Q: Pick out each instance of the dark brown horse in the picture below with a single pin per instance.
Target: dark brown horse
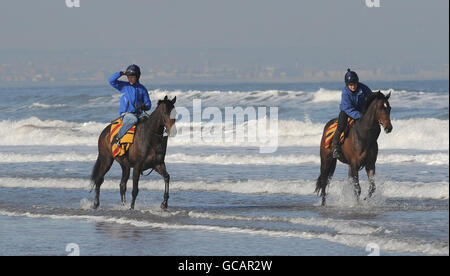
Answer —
(147, 151)
(360, 147)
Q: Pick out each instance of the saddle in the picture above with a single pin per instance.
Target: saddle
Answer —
(125, 142)
(329, 133)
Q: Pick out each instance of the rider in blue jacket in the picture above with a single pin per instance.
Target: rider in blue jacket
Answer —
(353, 98)
(134, 99)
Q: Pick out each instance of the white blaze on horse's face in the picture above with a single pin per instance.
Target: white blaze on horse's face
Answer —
(385, 118)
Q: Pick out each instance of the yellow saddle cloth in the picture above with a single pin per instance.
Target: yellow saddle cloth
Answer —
(125, 142)
(332, 129)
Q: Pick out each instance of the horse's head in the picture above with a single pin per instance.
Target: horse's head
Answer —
(166, 108)
(383, 110)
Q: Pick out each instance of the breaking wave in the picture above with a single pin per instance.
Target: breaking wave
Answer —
(421, 133)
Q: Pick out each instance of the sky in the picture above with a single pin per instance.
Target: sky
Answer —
(321, 33)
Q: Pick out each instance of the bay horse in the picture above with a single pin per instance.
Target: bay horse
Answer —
(360, 147)
(147, 151)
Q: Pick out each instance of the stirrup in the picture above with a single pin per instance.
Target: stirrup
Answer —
(115, 140)
(337, 153)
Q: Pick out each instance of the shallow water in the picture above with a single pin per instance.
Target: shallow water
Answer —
(225, 198)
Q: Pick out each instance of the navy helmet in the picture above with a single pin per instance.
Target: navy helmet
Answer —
(133, 70)
(351, 77)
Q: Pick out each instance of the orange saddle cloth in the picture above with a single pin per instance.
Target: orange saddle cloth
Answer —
(329, 133)
(125, 142)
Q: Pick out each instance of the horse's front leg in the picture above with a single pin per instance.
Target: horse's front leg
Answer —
(161, 169)
(371, 176)
(136, 175)
(370, 169)
(354, 180)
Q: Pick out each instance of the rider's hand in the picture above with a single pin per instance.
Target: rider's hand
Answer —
(122, 73)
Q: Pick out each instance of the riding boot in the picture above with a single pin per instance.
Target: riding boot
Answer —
(336, 145)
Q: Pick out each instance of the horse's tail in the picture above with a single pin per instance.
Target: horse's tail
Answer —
(326, 172)
(95, 172)
(104, 160)
(321, 185)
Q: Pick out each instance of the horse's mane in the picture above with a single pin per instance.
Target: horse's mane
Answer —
(370, 99)
(163, 101)
(152, 114)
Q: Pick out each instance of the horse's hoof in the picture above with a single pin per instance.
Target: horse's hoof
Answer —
(164, 206)
(368, 197)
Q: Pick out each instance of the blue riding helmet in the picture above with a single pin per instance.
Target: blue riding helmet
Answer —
(133, 70)
(351, 77)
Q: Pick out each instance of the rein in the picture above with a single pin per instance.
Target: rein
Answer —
(161, 136)
(142, 173)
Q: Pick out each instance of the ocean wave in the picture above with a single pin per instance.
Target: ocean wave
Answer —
(353, 240)
(286, 97)
(433, 159)
(387, 189)
(340, 226)
(231, 98)
(420, 133)
(40, 105)
(33, 131)
(324, 95)
(411, 99)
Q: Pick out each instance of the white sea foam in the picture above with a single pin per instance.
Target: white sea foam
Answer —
(433, 159)
(40, 105)
(323, 95)
(399, 98)
(33, 131)
(353, 240)
(52, 157)
(341, 226)
(410, 99)
(386, 189)
(231, 98)
(420, 133)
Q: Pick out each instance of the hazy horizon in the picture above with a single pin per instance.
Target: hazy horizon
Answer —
(199, 40)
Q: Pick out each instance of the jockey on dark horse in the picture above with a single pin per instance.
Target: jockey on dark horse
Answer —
(354, 95)
(134, 99)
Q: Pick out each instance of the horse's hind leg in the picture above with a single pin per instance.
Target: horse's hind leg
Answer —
(123, 183)
(101, 167)
(327, 167)
(161, 169)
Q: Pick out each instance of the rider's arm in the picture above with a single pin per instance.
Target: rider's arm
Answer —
(114, 81)
(147, 102)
